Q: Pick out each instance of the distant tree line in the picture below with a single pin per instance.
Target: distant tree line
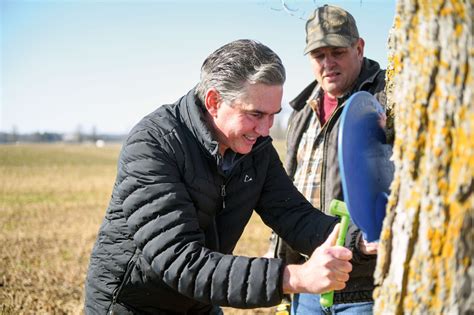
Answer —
(277, 132)
(51, 137)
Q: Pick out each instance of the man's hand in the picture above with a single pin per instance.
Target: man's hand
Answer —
(368, 248)
(327, 269)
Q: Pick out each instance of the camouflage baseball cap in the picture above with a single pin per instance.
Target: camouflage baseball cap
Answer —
(330, 26)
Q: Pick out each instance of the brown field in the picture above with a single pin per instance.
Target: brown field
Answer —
(52, 200)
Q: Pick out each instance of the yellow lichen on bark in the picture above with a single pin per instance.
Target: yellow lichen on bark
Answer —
(426, 249)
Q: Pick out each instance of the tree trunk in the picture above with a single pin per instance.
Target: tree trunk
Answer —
(427, 243)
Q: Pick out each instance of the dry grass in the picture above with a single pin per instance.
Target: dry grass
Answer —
(52, 200)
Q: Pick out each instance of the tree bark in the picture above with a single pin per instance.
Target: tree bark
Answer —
(427, 243)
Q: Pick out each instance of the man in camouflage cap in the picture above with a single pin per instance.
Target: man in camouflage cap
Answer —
(336, 53)
(330, 26)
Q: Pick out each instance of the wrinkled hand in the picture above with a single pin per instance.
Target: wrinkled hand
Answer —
(368, 248)
(327, 269)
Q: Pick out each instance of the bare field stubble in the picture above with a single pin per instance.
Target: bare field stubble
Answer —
(52, 201)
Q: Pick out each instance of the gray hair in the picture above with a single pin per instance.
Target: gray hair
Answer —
(230, 68)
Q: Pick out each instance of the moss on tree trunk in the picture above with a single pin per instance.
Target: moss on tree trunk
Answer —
(427, 243)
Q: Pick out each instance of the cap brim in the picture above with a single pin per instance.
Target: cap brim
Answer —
(333, 40)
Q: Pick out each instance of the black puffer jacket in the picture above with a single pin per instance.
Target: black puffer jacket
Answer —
(174, 219)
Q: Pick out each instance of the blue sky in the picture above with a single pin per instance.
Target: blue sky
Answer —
(67, 64)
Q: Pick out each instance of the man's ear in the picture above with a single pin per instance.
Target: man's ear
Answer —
(360, 48)
(212, 101)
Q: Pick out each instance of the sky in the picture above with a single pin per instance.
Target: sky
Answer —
(88, 64)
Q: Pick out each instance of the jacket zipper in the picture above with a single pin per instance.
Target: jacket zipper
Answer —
(128, 272)
(223, 195)
(227, 179)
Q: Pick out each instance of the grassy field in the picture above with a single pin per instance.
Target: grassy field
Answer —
(52, 200)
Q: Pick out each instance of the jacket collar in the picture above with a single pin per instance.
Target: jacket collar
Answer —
(193, 114)
(368, 73)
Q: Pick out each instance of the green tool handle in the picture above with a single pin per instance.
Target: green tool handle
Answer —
(327, 298)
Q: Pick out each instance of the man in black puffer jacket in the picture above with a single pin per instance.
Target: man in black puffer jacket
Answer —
(189, 177)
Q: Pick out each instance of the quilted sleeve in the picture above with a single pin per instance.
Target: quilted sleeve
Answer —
(162, 219)
(289, 214)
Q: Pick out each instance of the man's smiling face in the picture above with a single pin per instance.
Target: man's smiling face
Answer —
(240, 123)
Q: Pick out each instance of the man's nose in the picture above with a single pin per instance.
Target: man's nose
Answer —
(329, 61)
(264, 125)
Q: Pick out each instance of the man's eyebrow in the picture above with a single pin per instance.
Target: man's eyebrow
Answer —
(256, 111)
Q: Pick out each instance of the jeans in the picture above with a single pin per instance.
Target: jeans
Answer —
(308, 304)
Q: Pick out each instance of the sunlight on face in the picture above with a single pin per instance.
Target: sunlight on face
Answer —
(337, 68)
(249, 117)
